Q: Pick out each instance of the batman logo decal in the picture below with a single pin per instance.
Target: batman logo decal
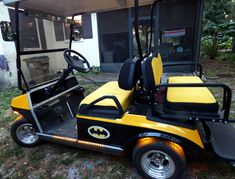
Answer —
(98, 132)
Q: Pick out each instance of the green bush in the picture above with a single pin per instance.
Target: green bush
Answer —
(209, 47)
(227, 56)
(225, 43)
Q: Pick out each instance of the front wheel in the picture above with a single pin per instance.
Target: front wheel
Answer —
(24, 133)
(159, 159)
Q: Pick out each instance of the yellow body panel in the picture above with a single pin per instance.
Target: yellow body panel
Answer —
(19, 118)
(143, 122)
(110, 88)
(157, 69)
(200, 95)
(20, 102)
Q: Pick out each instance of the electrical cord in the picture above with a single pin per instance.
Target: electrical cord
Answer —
(205, 77)
(209, 77)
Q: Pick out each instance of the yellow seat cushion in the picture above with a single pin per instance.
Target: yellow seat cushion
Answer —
(200, 95)
(112, 89)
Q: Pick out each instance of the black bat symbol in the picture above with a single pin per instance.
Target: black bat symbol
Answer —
(98, 132)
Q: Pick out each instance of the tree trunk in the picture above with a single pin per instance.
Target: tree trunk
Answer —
(233, 45)
(213, 50)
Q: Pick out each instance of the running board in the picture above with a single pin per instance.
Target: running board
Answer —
(222, 140)
(81, 144)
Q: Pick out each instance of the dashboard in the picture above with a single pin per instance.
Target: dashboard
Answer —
(44, 92)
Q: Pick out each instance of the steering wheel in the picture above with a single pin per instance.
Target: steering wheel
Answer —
(76, 61)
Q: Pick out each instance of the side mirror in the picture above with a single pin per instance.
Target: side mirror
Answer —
(7, 31)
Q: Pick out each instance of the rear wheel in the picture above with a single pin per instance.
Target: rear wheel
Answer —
(159, 159)
(24, 133)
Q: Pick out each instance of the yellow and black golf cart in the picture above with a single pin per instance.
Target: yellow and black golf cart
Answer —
(158, 121)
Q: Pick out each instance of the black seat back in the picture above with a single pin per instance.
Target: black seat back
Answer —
(129, 74)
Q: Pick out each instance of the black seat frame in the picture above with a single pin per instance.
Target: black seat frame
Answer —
(221, 115)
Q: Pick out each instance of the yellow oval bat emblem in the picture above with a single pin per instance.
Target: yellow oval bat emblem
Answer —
(98, 132)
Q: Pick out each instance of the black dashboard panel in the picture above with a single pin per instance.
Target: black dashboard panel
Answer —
(45, 93)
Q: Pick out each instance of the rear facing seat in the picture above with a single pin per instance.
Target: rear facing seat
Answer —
(185, 99)
(189, 99)
(179, 78)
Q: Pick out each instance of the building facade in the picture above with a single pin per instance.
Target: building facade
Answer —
(176, 33)
(107, 39)
(38, 34)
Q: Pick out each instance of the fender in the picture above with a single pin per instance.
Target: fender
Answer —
(159, 135)
(18, 118)
(185, 143)
(25, 114)
(20, 102)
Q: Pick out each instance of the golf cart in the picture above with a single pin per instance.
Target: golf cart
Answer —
(158, 121)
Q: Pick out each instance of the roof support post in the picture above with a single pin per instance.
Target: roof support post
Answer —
(136, 27)
(17, 43)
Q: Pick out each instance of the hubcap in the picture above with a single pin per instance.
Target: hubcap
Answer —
(26, 133)
(157, 164)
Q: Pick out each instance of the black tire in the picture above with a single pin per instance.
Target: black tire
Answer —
(172, 152)
(16, 133)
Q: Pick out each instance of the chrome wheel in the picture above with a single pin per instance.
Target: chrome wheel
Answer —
(26, 134)
(157, 164)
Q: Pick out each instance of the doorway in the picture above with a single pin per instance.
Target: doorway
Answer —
(113, 39)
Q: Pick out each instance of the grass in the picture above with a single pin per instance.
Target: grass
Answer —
(227, 57)
(5, 113)
(90, 86)
(58, 161)
(92, 73)
(218, 68)
(68, 159)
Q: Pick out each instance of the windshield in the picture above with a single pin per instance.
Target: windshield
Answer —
(37, 36)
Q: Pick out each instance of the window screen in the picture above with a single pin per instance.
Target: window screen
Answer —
(40, 34)
(177, 25)
(59, 31)
(114, 36)
(67, 31)
(86, 26)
